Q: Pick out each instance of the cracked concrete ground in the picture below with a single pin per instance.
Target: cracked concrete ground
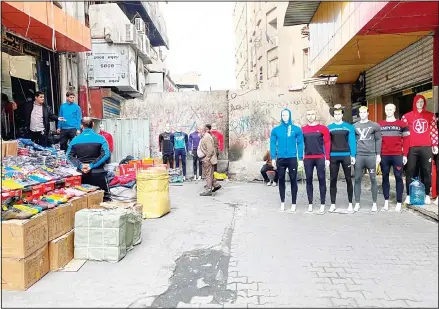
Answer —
(237, 250)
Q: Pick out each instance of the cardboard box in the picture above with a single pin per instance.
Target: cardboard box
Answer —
(137, 207)
(9, 148)
(59, 220)
(21, 238)
(95, 198)
(78, 203)
(22, 273)
(61, 251)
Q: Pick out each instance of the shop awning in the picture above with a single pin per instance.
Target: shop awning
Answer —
(46, 24)
(300, 12)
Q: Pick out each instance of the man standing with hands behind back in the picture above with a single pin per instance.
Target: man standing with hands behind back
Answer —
(70, 126)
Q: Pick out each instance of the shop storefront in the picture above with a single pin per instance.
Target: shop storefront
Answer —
(26, 68)
(399, 78)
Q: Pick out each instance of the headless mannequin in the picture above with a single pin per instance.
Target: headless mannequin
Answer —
(364, 118)
(338, 117)
(312, 122)
(420, 107)
(166, 146)
(390, 117)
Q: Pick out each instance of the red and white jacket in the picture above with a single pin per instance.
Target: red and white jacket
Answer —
(423, 125)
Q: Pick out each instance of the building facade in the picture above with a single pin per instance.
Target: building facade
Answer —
(387, 50)
(267, 54)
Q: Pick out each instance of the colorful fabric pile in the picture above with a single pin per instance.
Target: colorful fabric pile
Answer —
(175, 175)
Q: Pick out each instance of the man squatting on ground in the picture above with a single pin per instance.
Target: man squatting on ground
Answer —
(343, 151)
(368, 135)
(268, 167)
(89, 152)
(286, 145)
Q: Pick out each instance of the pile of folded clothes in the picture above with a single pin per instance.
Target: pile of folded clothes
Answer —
(123, 187)
(23, 208)
(175, 175)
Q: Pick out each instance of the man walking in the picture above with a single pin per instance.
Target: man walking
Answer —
(37, 117)
(70, 127)
(207, 152)
(216, 145)
(89, 152)
(194, 141)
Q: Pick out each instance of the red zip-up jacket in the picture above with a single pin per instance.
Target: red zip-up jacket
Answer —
(423, 126)
(220, 139)
(109, 139)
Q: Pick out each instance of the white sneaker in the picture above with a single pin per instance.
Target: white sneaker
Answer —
(282, 206)
(350, 208)
(374, 208)
(332, 208)
(184, 178)
(199, 177)
(293, 208)
(398, 207)
(268, 183)
(357, 207)
(407, 200)
(310, 208)
(274, 184)
(427, 200)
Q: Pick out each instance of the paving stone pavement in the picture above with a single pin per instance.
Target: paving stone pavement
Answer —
(237, 250)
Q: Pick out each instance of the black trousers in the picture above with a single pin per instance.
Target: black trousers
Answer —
(39, 138)
(282, 165)
(397, 164)
(168, 158)
(197, 163)
(265, 168)
(309, 165)
(65, 136)
(98, 179)
(334, 167)
(423, 155)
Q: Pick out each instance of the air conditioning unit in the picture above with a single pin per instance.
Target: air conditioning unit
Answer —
(130, 34)
(146, 44)
(140, 25)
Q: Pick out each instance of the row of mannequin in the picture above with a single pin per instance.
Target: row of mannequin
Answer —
(392, 143)
(174, 146)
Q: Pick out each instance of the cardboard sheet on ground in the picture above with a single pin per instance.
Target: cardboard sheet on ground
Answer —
(73, 266)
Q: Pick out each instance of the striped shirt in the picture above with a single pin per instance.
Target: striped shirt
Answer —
(395, 138)
(36, 119)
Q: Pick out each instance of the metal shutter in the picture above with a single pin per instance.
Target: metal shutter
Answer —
(410, 67)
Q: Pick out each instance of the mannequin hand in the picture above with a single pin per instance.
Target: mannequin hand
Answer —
(435, 149)
(404, 160)
(327, 163)
(273, 162)
(378, 159)
(352, 160)
(78, 132)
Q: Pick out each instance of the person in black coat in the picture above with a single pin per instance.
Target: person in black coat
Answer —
(37, 117)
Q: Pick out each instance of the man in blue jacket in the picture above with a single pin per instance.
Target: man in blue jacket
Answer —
(71, 124)
(286, 146)
(89, 152)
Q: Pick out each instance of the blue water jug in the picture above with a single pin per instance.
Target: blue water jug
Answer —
(417, 192)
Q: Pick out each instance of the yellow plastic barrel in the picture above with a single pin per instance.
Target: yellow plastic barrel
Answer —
(153, 192)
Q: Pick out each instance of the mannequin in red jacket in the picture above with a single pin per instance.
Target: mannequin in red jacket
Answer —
(423, 143)
(220, 137)
(107, 136)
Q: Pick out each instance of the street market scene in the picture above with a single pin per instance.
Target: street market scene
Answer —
(219, 155)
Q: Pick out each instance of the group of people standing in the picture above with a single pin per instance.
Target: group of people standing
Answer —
(391, 143)
(203, 145)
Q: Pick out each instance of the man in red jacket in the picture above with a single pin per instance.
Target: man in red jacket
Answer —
(423, 143)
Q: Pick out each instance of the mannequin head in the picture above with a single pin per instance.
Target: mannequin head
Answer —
(199, 129)
(364, 113)
(101, 127)
(214, 126)
(390, 110)
(167, 128)
(420, 103)
(338, 115)
(311, 116)
(285, 116)
(178, 128)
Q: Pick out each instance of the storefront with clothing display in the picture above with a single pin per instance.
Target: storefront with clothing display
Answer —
(26, 68)
(399, 78)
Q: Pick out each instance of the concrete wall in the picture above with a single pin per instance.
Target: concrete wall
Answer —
(246, 117)
(253, 114)
(188, 109)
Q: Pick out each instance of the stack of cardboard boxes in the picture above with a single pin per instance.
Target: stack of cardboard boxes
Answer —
(9, 148)
(30, 248)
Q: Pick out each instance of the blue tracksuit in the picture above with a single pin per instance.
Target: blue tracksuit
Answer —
(72, 113)
(286, 140)
(88, 148)
(181, 147)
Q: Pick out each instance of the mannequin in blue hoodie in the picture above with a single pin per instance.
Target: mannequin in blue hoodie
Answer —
(286, 146)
